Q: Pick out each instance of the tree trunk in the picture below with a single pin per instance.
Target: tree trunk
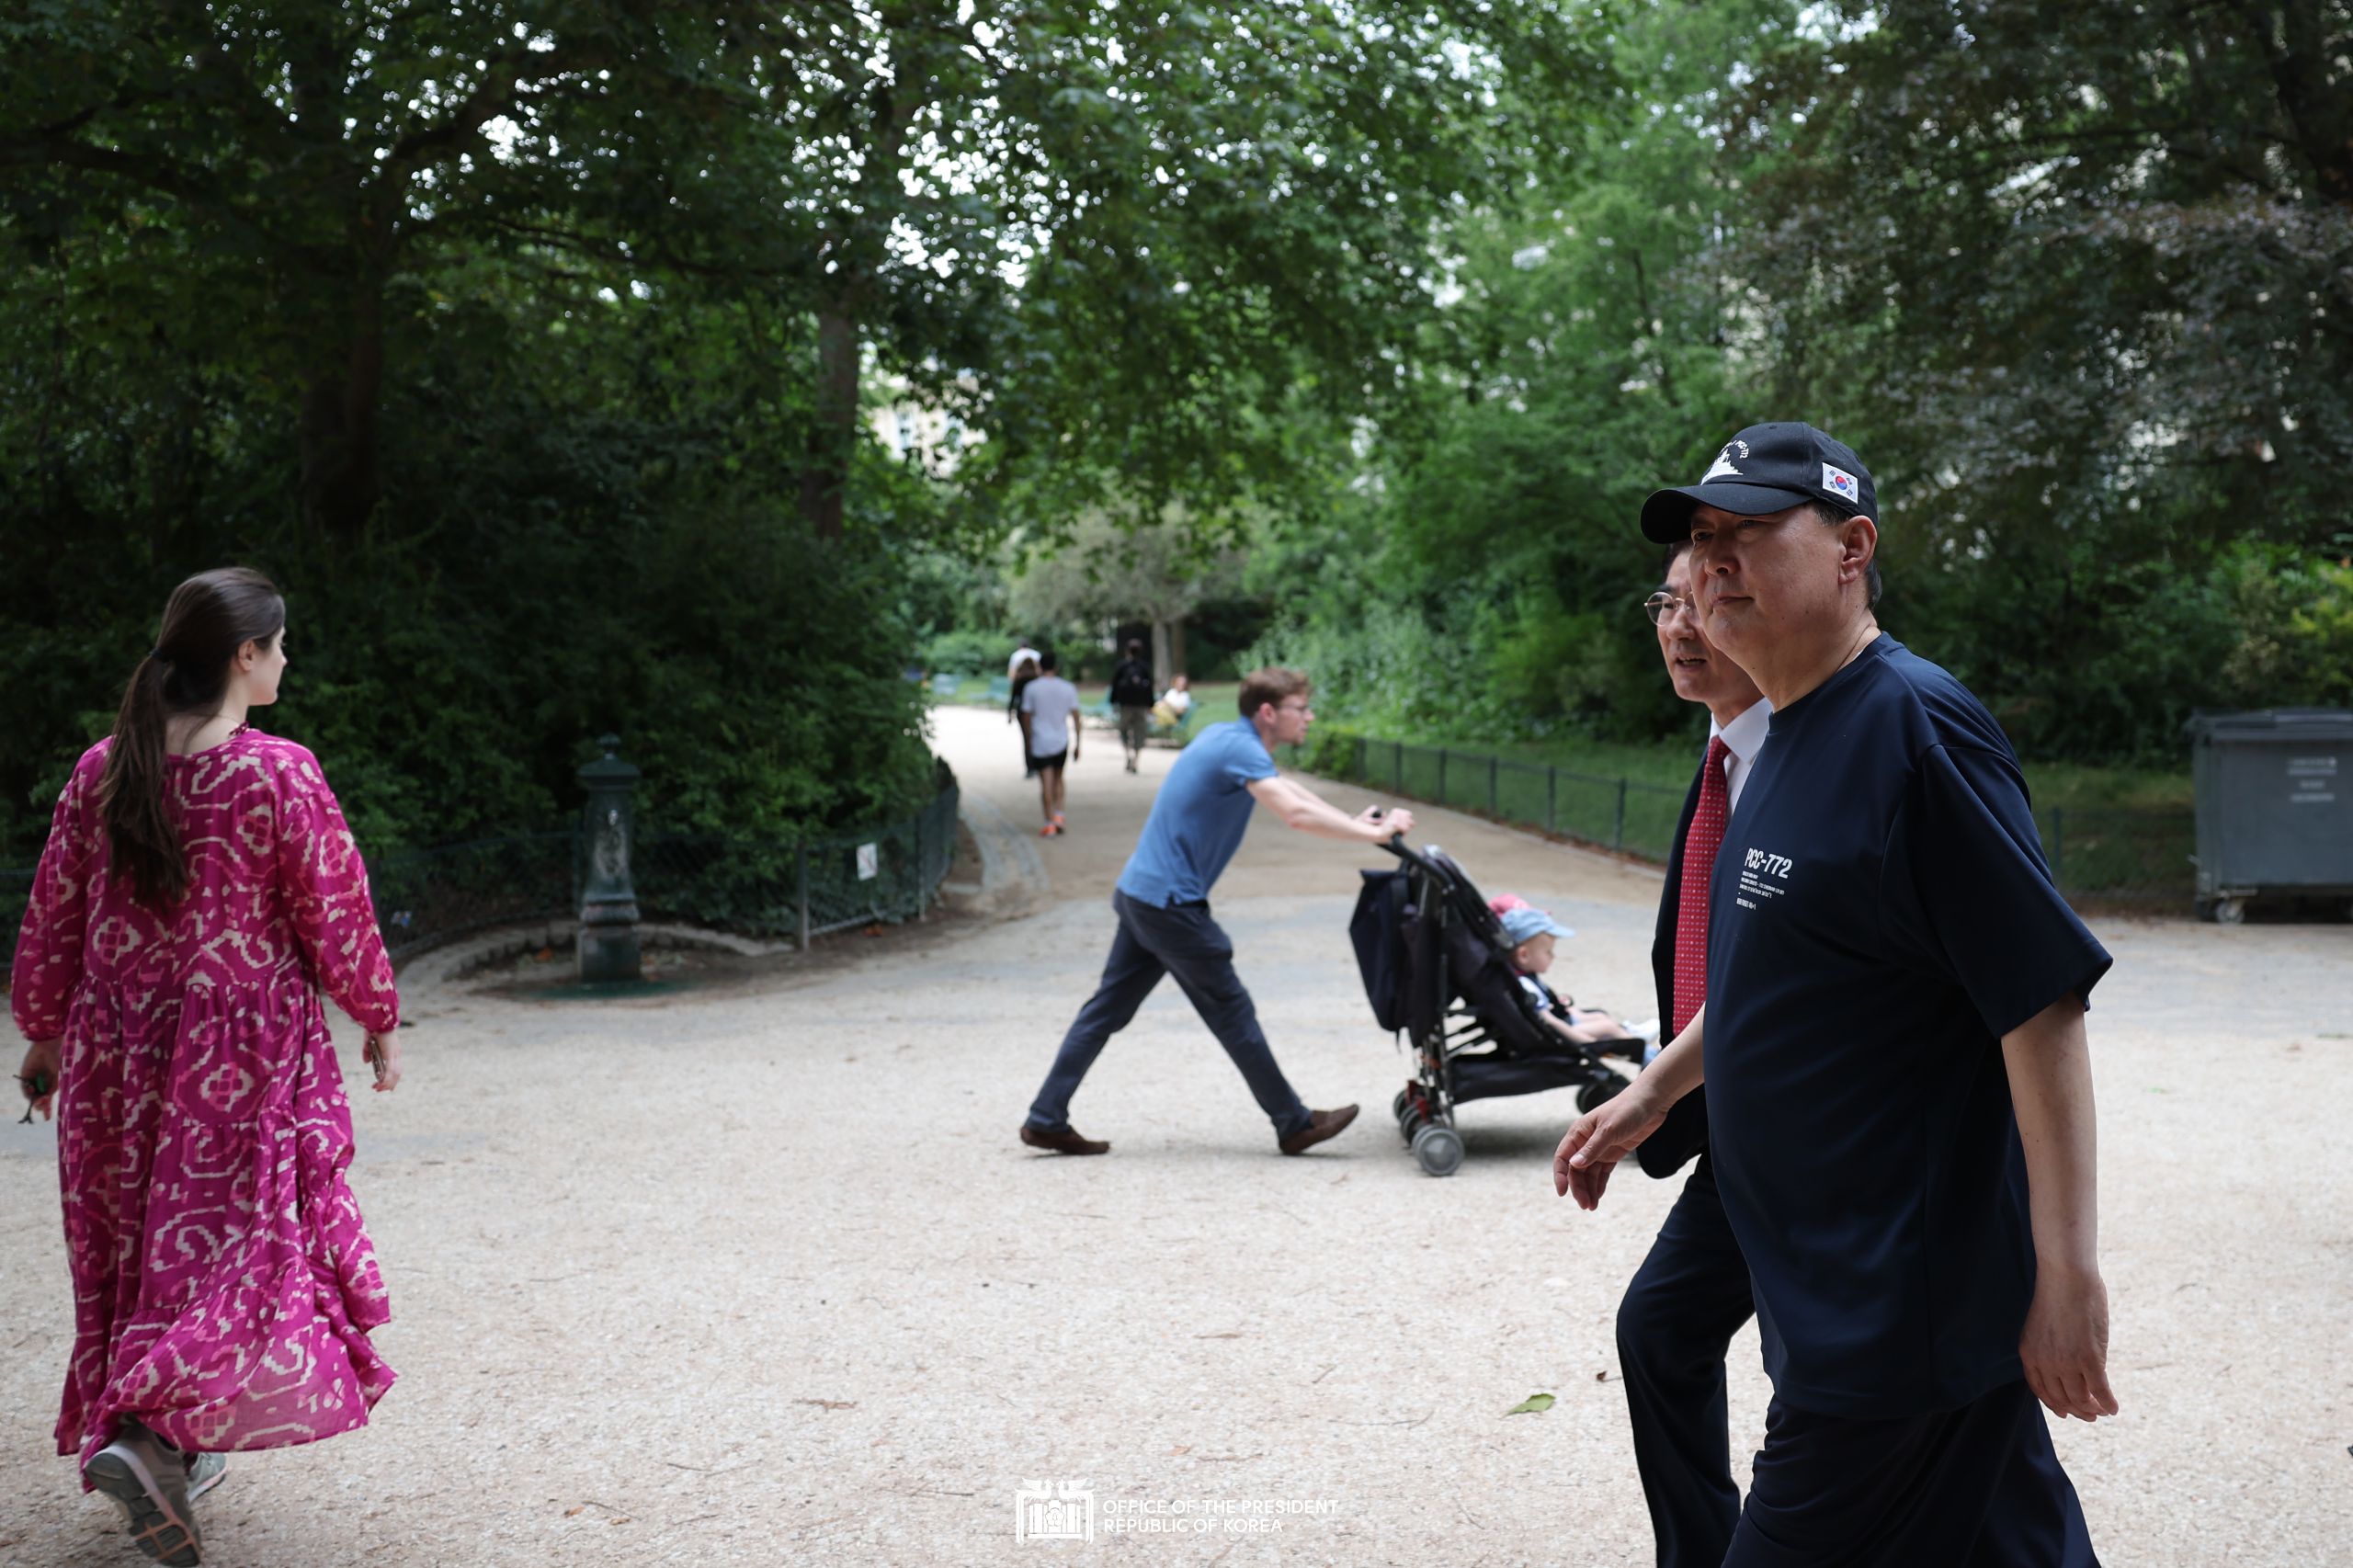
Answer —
(341, 478)
(824, 471)
(1162, 666)
(1177, 645)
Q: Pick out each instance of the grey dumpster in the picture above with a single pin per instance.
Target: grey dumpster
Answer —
(2274, 807)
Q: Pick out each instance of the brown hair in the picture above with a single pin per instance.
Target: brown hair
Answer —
(1272, 685)
(207, 619)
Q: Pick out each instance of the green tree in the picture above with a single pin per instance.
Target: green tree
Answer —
(2075, 280)
(1108, 571)
(278, 172)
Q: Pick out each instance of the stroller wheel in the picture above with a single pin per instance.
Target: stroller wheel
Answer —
(1439, 1150)
(1594, 1094)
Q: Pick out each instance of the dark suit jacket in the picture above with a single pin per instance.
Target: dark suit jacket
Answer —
(1684, 1132)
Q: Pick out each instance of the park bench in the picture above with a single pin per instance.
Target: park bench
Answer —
(1179, 733)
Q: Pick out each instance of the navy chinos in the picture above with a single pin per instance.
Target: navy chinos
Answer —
(1180, 940)
(1675, 1326)
(1975, 1487)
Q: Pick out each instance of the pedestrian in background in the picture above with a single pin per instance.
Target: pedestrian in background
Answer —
(1014, 714)
(1050, 707)
(1132, 695)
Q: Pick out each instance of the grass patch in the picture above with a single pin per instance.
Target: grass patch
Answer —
(2069, 786)
(2111, 833)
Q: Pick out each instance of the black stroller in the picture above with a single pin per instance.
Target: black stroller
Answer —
(1437, 966)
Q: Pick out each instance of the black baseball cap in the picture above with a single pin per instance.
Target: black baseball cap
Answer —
(1767, 468)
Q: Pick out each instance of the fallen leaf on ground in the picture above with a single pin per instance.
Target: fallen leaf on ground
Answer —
(1531, 1405)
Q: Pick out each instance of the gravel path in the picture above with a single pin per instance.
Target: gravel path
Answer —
(755, 1272)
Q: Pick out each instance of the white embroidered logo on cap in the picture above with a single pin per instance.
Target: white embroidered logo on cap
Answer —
(1724, 462)
(1839, 482)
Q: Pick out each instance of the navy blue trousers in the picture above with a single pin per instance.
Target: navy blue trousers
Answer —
(1675, 1325)
(1185, 942)
(1976, 1488)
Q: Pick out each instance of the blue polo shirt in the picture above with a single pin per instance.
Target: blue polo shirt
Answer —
(1881, 914)
(1199, 817)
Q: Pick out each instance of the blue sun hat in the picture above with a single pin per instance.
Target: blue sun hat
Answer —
(1527, 920)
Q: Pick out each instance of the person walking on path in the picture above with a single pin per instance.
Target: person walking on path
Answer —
(1016, 715)
(1050, 709)
(1691, 1295)
(1161, 903)
(1899, 1093)
(198, 893)
(1132, 695)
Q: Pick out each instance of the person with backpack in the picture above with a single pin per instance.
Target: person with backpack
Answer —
(1132, 695)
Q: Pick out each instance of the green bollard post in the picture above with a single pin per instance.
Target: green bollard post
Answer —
(607, 944)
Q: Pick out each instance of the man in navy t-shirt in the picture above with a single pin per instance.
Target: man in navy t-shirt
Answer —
(1898, 1089)
(1162, 901)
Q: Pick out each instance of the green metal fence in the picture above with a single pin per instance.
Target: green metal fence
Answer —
(801, 891)
(796, 889)
(2125, 857)
(426, 897)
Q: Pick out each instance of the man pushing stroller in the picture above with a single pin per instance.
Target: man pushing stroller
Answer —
(1161, 903)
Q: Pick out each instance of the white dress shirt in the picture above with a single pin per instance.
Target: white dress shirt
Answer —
(1744, 738)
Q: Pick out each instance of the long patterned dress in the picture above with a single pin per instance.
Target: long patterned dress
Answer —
(222, 1286)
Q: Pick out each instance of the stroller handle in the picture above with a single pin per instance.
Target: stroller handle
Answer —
(1395, 845)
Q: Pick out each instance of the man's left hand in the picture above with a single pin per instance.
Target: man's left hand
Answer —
(1596, 1140)
(2064, 1344)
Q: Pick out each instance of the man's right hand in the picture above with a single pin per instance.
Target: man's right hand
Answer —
(1596, 1140)
(1386, 824)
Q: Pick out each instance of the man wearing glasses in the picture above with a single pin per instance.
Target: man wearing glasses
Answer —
(1162, 905)
(1899, 1093)
(1692, 1294)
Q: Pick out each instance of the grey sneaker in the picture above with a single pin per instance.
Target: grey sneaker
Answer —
(151, 1482)
(205, 1471)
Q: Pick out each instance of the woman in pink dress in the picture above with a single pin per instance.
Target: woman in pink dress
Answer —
(200, 890)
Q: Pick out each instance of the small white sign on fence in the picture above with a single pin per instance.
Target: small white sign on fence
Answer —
(869, 862)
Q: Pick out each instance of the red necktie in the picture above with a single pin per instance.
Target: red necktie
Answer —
(1699, 847)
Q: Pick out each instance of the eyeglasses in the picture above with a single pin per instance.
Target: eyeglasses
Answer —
(1661, 605)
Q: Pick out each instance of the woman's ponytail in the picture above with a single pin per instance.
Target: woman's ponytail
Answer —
(146, 845)
(208, 618)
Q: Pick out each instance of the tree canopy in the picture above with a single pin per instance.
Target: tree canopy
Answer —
(2078, 285)
(434, 310)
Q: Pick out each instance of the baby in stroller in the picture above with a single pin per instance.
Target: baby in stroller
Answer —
(1532, 934)
(1466, 992)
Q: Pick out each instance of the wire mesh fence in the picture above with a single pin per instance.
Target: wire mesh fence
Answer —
(800, 891)
(750, 887)
(2113, 856)
(424, 897)
(1616, 814)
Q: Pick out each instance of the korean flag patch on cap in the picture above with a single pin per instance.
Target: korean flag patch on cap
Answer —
(1841, 483)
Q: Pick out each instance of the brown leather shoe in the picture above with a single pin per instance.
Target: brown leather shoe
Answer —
(1065, 1142)
(1322, 1124)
